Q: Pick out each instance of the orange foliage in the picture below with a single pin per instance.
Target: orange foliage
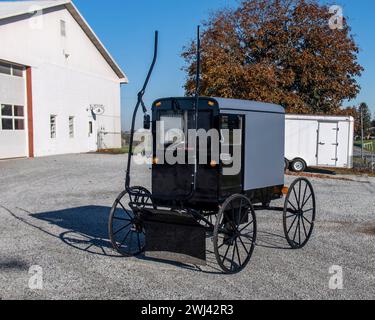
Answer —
(279, 51)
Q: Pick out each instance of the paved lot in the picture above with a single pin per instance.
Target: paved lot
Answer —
(53, 213)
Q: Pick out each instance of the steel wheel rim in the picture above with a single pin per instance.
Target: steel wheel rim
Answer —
(299, 213)
(126, 230)
(234, 241)
(298, 166)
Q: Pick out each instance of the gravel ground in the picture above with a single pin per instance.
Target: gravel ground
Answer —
(54, 211)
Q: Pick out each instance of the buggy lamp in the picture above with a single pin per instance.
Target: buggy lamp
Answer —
(213, 163)
(155, 160)
(285, 190)
(158, 104)
(211, 103)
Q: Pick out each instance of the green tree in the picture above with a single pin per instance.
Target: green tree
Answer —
(279, 51)
(366, 116)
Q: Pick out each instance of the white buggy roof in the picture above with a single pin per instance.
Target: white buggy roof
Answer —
(247, 105)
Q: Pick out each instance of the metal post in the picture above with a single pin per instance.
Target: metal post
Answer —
(362, 132)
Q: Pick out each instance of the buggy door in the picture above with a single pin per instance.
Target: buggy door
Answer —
(231, 154)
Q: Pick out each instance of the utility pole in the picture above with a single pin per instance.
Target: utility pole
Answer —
(362, 132)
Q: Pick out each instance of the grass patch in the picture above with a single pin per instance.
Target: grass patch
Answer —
(369, 145)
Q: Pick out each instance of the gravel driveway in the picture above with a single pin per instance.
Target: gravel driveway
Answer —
(53, 214)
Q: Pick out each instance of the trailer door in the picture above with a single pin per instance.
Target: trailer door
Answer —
(327, 144)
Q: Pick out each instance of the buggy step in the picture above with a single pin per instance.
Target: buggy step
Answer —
(174, 236)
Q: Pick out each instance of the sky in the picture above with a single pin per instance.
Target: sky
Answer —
(126, 27)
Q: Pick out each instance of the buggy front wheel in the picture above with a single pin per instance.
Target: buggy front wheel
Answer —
(235, 234)
(125, 227)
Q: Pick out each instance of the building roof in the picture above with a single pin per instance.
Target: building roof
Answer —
(10, 9)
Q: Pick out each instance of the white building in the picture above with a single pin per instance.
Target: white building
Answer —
(54, 72)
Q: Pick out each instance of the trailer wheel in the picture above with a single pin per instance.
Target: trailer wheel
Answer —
(125, 227)
(286, 164)
(235, 234)
(298, 165)
(299, 213)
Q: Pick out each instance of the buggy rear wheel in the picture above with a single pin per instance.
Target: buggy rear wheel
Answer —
(235, 234)
(126, 230)
(299, 213)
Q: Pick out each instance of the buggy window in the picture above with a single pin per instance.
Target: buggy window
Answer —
(172, 127)
(229, 123)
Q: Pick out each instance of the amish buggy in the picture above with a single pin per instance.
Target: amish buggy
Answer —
(216, 199)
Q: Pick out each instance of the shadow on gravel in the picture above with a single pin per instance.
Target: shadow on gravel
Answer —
(12, 264)
(320, 171)
(86, 230)
(271, 240)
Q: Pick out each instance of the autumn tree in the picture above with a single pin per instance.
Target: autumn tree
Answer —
(279, 51)
(352, 112)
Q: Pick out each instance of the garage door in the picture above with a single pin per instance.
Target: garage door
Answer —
(13, 135)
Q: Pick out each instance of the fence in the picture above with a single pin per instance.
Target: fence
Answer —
(366, 161)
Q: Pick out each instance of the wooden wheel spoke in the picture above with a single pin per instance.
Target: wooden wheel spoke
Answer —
(243, 245)
(238, 253)
(121, 219)
(295, 196)
(307, 200)
(307, 220)
(304, 194)
(126, 211)
(295, 231)
(249, 224)
(295, 209)
(308, 210)
(290, 228)
(123, 241)
(304, 228)
(226, 253)
(121, 229)
(232, 261)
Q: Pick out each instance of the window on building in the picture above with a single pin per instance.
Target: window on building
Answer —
(12, 70)
(5, 68)
(6, 117)
(12, 117)
(17, 71)
(71, 127)
(63, 28)
(19, 124)
(6, 110)
(6, 124)
(90, 128)
(53, 126)
(18, 111)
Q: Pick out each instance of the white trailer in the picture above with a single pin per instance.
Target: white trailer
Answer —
(318, 141)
